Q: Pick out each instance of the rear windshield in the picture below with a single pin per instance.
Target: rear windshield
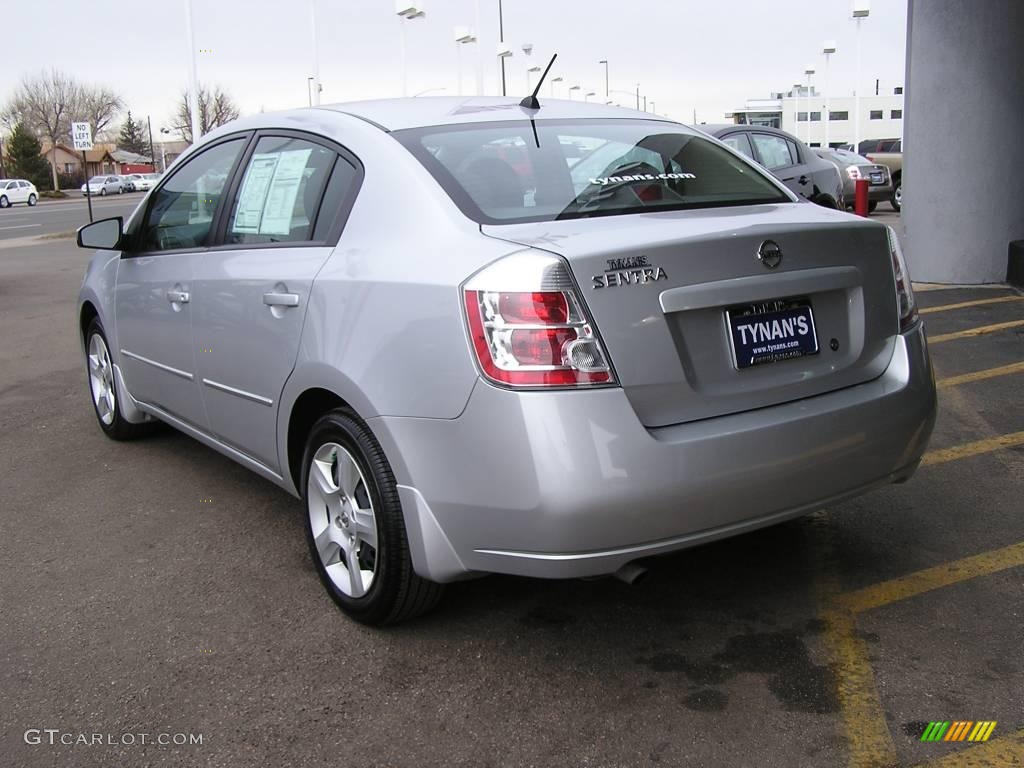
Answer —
(502, 173)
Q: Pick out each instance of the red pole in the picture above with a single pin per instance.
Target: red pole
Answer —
(860, 199)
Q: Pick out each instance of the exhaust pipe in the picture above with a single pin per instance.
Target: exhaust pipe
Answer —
(631, 573)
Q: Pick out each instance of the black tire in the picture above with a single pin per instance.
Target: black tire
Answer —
(118, 428)
(896, 199)
(397, 593)
(31, 200)
(872, 205)
(826, 201)
(4, 202)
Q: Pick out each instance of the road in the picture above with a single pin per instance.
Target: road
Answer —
(156, 587)
(50, 217)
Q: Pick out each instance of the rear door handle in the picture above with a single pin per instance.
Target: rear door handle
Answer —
(273, 299)
(177, 297)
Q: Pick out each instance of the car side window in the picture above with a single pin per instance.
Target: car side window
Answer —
(774, 150)
(794, 150)
(280, 193)
(181, 212)
(740, 143)
(343, 180)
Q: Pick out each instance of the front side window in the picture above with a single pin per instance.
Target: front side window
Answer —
(280, 193)
(774, 150)
(181, 212)
(740, 143)
(505, 172)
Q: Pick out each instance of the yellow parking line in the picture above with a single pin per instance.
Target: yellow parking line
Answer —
(973, 449)
(1003, 751)
(988, 373)
(945, 575)
(975, 303)
(975, 331)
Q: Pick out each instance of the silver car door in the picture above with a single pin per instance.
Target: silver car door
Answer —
(252, 291)
(154, 298)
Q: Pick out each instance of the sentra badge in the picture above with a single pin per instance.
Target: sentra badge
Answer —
(629, 270)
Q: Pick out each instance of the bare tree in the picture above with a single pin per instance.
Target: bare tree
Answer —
(46, 102)
(216, 107)
(50, 101)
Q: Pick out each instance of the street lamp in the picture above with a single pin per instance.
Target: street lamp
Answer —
(407, 12)
(463, 35)
(503, 50)
(571, 89)
(653, 110)
(828, 49)
(529, 72)
(809, 72)
(588, 95)
(553, 81)
(309, 89)
(606, 91)
(796, 108)
(861, 10)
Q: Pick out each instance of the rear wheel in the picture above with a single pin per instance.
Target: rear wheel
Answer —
(872, 205)
(31, 200)
(355, 529)
(896, 200)
(103, 389)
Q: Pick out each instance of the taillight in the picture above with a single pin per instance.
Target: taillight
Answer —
(853, 172)
(904, 290)
(529, 327)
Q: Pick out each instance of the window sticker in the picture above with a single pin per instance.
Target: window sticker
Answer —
(284, 188)
(253, 196)
(603, 180)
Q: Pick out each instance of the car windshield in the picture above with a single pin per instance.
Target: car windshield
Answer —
(506, 172)
(98, 180)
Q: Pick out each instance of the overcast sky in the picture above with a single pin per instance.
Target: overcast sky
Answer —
(686, 54)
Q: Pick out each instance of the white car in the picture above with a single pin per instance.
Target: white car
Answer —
(17, 191)
(146, 181)
(103, 185)
(130, 182)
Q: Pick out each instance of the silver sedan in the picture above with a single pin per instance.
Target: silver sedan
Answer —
(476, 336)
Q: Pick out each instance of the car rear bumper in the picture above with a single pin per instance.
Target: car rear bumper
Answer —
(569, 484)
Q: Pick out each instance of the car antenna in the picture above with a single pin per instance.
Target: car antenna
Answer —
(530, 102)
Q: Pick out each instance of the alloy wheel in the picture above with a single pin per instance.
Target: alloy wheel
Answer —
(101, 379)
(342, 520)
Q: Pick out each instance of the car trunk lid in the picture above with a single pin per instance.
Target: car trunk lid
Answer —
(659, 286)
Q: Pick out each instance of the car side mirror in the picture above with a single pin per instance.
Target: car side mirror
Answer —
(104, 234)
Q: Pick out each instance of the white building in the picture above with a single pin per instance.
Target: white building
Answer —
(881, 116)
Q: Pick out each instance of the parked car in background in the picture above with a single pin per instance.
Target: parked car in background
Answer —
(877, 145)
(17, 191)
(103, 185)
(654, 346)
(787, 158)
(892, 159)
(147, 181)
(853, 167)
(130, 182)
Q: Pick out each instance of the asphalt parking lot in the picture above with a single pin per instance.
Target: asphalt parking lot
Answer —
(156, 587)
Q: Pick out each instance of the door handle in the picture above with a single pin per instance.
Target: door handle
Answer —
(273, 299)
(802, 180)
(177, 297)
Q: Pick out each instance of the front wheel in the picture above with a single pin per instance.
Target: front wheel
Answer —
(355, 529)
(103, 389)
(103, 191)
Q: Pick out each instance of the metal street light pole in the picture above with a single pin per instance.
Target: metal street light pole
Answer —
(796, 108)
(407, 11)
(652, 107)
(479, 53)
(828, 49)
(810, 94)
(861, 9)
(316, 53)
(607, 92)
(501, 40)
(193, 78)
(571, 89)
(309, 89)
(638, 96)
(553, 81)
(588, 95)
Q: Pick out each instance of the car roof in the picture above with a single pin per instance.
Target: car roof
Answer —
(420, 112)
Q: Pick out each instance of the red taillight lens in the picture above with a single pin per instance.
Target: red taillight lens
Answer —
(905, 302)
(543, 307)
(533, 338)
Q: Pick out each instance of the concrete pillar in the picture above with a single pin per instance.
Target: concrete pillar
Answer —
(963, 198)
